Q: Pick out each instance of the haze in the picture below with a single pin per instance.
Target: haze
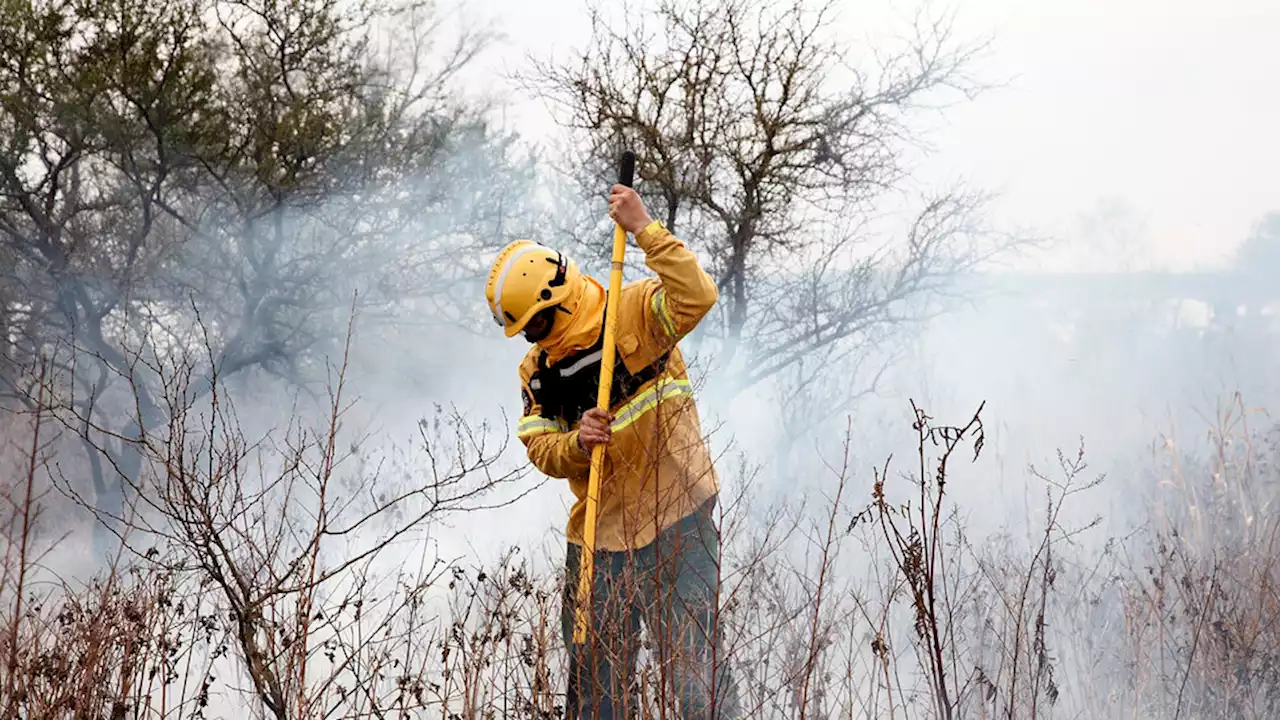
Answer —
(1117, 297)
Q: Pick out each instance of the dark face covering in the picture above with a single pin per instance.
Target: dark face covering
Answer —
(572, 325)
(539, 326)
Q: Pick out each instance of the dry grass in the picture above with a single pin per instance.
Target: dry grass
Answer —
(268, 576)
(1200, 611)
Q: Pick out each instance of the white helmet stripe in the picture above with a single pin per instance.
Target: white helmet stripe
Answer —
(497, 290)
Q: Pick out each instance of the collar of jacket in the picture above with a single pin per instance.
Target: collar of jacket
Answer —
(580, 327)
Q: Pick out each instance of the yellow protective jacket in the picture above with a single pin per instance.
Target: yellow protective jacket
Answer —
(657, 468)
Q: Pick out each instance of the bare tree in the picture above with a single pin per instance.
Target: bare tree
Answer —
(243, 167)
(767, 146)
(96, 101)
(287, 536)
(341, 168)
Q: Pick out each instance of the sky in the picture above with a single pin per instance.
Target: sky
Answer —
(1162, 112)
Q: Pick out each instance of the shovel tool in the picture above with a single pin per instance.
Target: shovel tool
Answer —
(582, 614)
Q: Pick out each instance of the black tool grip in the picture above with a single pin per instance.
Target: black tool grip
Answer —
(627, 168)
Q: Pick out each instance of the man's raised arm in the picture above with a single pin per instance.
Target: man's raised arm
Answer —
(685, 292)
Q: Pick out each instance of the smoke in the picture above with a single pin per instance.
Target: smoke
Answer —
(1125, 365)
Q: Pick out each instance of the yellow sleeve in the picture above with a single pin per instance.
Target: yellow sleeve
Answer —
(687, 292)
(552, 447)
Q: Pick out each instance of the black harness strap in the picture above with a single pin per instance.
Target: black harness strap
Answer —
(568, 388)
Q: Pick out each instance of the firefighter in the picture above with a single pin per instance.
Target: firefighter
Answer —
(657, 544)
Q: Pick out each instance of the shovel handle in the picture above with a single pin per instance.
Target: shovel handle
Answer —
(586, 569)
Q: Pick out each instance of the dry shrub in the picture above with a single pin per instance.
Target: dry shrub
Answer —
(268, 576)
(96, 650)
(1201, 606)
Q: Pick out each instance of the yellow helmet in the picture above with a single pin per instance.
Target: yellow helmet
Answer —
(526, 278)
